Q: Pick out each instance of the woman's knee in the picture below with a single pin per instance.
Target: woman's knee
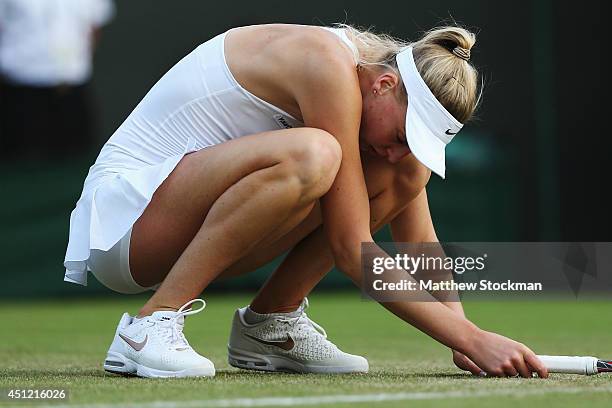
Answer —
(315, 157)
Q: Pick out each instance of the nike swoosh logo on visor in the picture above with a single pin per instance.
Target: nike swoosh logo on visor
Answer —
(448, 132)
(286, 345)
(133, 344)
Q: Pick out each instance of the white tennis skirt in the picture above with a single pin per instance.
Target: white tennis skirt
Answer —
(196, 104)
(104, 215)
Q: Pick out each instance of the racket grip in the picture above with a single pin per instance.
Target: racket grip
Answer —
(570, 364)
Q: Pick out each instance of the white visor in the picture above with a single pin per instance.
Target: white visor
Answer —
(429, 126)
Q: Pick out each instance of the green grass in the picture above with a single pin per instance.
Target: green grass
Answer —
(63, 343)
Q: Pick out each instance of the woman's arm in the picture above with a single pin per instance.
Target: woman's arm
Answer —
(328, 94)
(326, 88)
(414, 224)
(330, 99)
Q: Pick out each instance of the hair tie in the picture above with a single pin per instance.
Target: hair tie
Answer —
(462, 53)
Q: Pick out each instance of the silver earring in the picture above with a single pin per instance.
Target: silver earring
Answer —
(374, 91)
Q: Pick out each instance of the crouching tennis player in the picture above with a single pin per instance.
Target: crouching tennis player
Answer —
(266, 139)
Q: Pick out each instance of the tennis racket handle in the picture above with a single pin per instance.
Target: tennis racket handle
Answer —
(570, 364)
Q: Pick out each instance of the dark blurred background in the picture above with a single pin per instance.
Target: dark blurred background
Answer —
(531, 167)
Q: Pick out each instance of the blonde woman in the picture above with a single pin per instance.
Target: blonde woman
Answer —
(265, 139)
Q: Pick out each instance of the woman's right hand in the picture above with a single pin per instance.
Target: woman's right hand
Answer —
(500, 356)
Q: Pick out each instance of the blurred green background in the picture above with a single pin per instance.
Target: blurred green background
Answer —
(529, 168)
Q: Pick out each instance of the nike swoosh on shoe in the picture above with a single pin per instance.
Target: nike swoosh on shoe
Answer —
(286, 345)
(133, 344)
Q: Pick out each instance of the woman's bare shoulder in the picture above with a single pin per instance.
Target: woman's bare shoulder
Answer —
(274, 60)
(285, 42)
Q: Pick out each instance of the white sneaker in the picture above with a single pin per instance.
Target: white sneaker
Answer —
(288, 342)
(155, 346)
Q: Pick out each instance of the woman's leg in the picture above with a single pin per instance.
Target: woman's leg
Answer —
(308, 261)
(310, 257)
(220, 203)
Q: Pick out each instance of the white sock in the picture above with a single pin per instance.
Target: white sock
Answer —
(252, 317)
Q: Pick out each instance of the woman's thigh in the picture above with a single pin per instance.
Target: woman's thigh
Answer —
(181, 203)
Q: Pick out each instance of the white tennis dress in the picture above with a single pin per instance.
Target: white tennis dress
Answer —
(196, 104)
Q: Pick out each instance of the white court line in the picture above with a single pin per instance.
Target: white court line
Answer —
(335, 399)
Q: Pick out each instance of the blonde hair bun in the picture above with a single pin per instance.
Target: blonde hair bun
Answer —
(442, 58)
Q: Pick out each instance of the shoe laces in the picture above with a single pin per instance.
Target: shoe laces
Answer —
(302, 322)
(174, 325)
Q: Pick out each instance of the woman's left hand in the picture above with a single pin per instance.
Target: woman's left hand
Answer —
(464, 363)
